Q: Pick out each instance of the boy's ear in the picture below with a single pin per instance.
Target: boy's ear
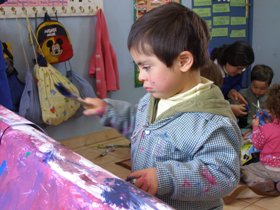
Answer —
(185, 60)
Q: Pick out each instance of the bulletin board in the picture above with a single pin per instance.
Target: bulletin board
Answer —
(140, 8)
(225, 18)
(19, 8)
(229, 21)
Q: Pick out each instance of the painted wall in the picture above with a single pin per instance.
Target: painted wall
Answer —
(119, 18)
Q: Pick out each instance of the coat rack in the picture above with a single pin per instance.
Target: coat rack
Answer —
(19, 8)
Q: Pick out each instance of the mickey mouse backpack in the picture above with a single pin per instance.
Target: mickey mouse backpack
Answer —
(54, 40)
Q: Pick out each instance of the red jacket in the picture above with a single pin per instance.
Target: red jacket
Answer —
(103, 64)
(266, 138)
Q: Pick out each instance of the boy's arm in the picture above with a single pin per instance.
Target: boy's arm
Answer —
(113, 113)
(237, 96)
(235, 85)
(240, 109)
(119, 115)
(213, 172)
(258, 137)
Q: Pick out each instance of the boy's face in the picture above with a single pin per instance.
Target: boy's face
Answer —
(259, 88)
(158, 79)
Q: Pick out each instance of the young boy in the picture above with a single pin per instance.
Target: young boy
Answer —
(185, 143)
(256, 94)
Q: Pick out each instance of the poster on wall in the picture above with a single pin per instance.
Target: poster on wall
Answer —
(226, 19)
(140, 8)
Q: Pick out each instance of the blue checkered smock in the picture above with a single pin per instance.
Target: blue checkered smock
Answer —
(196, 154)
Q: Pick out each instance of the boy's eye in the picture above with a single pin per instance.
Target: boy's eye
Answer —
(143, 67)
(146, 68)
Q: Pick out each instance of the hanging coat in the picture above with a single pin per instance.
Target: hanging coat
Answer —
(15, 85)
(103, 64)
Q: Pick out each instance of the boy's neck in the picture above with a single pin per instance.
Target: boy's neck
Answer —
(193, 79)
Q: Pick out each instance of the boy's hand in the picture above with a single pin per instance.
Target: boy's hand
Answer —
(236, 96)
(239, 109)
(255, 121)
(146, 180)
(96, 106)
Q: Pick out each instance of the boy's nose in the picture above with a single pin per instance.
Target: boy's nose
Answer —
(258, 93)
(141, 76)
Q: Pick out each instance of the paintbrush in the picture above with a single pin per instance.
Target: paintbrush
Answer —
(131, 179)
(68, 94)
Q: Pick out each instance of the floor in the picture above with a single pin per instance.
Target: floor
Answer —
(115, 159)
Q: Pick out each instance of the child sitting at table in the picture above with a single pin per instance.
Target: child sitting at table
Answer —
(256, 94)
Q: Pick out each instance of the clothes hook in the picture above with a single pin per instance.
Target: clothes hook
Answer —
(73, 9)
(82, 9)
(14, 10)
(2, 10)
(34, 9)
(90, 9)
(24, 10)
(64, 10)
(54, 9)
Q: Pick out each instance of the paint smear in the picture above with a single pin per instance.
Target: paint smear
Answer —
(3, 167)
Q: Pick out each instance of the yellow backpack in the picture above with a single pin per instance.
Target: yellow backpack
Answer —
(55, 107)
(54, 40)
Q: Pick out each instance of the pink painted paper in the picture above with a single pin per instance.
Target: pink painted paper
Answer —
(37, 172)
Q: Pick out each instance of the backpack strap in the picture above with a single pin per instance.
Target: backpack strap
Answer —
(32, 38)
(68, 69)
(47, 17)
(7, 52)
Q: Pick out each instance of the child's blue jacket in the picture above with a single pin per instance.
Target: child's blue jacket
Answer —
(195, 147)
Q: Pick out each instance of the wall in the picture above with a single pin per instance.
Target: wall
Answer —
(266, 33)
(119, 18)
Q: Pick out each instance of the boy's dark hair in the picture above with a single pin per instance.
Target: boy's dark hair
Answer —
(238, 53)
(262, 73)
(168, 30)
(273, 100)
